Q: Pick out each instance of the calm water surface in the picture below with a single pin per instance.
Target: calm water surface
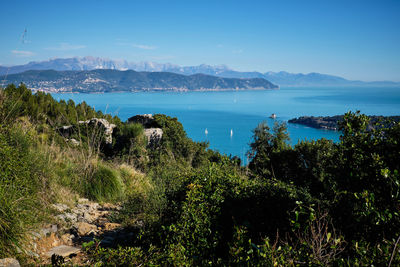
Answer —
(242, 111)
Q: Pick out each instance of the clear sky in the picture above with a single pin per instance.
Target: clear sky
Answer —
(353, 39)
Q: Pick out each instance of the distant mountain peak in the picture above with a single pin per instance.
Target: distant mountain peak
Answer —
(281, 78)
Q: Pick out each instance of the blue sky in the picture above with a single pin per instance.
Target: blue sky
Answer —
(352, 39)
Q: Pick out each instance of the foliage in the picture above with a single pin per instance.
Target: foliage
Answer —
(265, 146)
(22, 179)
(130, 145)
(104, 184)
(317, 203)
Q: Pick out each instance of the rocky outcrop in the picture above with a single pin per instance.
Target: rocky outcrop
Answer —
(96, 123)
(9, 262)
(153, 135)
(147, 120)
(67, 130)
(331, 122)
(104, 125)
(152, 130)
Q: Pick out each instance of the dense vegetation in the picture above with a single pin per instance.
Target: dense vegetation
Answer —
(317, 203)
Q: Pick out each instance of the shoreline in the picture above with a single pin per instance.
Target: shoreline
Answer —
(153, 91)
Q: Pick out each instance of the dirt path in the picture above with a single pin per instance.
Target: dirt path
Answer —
(75, 226)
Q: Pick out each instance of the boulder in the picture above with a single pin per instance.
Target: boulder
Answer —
(111, 226)
(146, 120)
(109, 206)
(67, 239)
(84, 228)
(67, 130)
(83, 200)
(68, 217)
(63, 251)
(73, 142)
(104, 125)
(9, 262)
(59, 207)
(153, 135)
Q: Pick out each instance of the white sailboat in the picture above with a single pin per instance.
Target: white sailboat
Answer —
(206, 131)
(231, 132)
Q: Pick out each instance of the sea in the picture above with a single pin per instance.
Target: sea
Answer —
(226, 119)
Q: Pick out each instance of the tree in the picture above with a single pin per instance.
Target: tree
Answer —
(265, 145)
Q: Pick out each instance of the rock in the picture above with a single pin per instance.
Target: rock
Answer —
(153, 135)
(67, 217)
(67, 239)
(83, 200)
(104, 125)
(44, 232)
(32, 254)
(54, 228)
(151, 131)
(63, 251)
(35, 235)
(89, 217)
(9, 262)
(66, 131)
(84, 228)
(60, 207)
(109, 206)
(146, 120)
(48, 230)
(73, 142)
(111, 226)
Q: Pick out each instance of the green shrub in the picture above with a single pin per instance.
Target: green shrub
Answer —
(22, 178)
(104, 184)
(130, 144)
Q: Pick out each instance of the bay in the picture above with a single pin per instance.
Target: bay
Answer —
(239, 112)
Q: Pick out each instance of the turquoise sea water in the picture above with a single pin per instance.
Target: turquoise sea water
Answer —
(241, 111)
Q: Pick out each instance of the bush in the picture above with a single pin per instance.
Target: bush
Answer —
(22, 178)
(130, 144)
(144, 202)
(104, 184)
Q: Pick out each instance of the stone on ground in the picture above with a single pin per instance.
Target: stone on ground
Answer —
(111, 226)
(85, 228)
(63, 251)
(9, 262)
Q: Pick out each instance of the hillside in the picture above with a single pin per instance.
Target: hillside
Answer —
(281, 78)
(332, 122)
(130, 81)
(82, 188)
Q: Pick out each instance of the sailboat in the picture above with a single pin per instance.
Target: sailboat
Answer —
(206, 131)
(231, 132)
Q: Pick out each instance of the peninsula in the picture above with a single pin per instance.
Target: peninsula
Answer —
(107, 80)
(331, 122)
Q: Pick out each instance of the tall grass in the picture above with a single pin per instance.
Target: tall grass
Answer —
(22, 180)
(104, 184)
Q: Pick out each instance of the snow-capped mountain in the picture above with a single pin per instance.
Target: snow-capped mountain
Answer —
(281, 78)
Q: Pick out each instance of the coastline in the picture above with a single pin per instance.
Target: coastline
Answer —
(155, 90)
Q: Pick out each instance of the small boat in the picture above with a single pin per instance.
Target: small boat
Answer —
(273, 116)
(206, 131)
(231, 132)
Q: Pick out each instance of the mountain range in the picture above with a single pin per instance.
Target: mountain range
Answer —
(281, 78)
(109, 80)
